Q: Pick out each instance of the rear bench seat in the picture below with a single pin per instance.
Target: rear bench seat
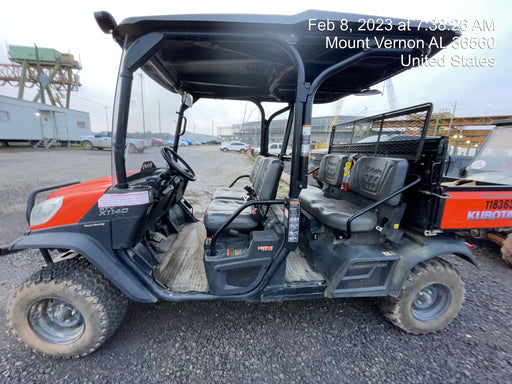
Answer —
(371, 179)
(265, 185)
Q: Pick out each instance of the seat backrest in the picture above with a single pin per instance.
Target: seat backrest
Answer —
(267, 181)
(378, 177)
(331, 169)
(256, 169)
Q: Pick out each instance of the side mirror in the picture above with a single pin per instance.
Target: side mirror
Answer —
(106, 21)
(187, 99)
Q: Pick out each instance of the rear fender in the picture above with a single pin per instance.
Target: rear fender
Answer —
(106, 262)
(414, 252)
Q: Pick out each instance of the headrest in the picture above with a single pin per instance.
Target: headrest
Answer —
(331, 169)
(378, 177)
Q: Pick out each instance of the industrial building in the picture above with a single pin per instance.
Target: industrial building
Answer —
(41, 124)
(249, 132)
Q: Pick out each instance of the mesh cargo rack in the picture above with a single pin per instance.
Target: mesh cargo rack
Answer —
(399, 133)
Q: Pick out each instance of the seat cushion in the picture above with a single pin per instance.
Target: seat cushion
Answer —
(230, 193)
(219, 211)
(335, 213)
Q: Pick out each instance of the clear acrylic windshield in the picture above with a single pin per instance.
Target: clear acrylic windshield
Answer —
(151, 114)
(494, 161)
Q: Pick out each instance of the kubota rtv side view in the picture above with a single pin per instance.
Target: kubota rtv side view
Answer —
(134, 236)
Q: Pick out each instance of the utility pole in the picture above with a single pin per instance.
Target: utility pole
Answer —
(212, 129)
(436, 128)
(451, 118)
(106, 115)
(457, 135)
(159, 120)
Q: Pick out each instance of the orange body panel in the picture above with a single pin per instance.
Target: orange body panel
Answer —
(477, 209)
(78, 200)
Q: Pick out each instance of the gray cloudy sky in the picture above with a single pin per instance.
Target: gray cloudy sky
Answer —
(70, 26)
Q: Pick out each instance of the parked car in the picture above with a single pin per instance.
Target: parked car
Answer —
(104, 140)
(157, 142)
(235, 146)
(213, 142)
(273, 149)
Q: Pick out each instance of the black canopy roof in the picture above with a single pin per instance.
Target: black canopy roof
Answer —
(242, 56)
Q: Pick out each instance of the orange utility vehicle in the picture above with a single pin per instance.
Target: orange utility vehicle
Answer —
(135, 235)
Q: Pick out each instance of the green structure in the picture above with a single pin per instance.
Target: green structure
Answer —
(54, 72)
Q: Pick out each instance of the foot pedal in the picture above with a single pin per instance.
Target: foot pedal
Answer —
(157, 237)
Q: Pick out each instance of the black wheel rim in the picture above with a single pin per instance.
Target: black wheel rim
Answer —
(431, 302)
(56, 321)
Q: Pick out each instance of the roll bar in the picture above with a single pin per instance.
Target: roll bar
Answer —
(144, 48)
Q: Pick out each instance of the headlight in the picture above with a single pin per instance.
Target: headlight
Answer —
(45, 210)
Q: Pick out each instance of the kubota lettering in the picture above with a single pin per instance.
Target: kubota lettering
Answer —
(488, 215)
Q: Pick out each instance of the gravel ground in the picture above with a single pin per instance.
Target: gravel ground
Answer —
(321, 341)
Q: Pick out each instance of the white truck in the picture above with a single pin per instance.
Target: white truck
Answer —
(104, 140)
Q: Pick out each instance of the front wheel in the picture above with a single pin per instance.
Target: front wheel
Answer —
(68, 309)
(87, 145)
(430, 299)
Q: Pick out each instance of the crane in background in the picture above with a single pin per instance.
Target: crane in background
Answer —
(389, 89)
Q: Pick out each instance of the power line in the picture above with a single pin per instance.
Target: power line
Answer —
(91, 101)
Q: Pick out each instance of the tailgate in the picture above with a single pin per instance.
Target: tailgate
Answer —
(478, 206)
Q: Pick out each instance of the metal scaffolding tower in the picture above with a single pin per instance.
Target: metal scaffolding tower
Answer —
(55, 73)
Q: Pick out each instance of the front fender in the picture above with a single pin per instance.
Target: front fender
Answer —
(106, 262)
(422, 249)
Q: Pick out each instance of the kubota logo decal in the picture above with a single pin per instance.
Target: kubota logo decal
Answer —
(488, 215)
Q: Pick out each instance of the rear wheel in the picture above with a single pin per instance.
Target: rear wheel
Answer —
(87, 145)
(506, 250)
(430, 299)
(243, 150)
(68, 309)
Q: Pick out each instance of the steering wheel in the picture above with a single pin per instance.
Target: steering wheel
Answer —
(177, 163)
